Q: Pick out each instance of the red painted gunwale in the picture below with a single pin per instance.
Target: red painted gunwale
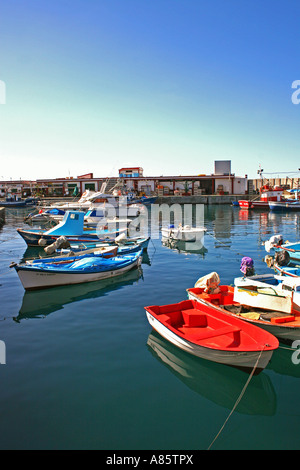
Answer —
(209, 327)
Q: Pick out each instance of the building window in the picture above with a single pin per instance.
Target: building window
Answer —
(90, 186)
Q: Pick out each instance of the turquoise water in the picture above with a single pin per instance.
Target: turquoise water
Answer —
(84, 370)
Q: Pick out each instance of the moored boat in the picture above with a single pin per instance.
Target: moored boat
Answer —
(288, 271)
(293, 249)
(145, 200)
(286, 255)
(185, 246)
(245, 204)
(43, 274)
(267, 194)
(108, 251)
(285, 326)
(124, 244)
(43, 302)
(15, 201)
(211, 334)
(61, 247)
(291, 203)
(253, 292)
(185, 232)
(55, 215)
(285, 269)
(72, 227)
(106, 204)
(82, 204)
(284, 206)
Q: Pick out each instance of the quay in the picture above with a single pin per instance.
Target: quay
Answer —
(220, 187)
(203, 199)
(221, 182)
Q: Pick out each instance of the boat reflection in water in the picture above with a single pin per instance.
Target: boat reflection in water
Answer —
(184, 246)
(38, 304)
(216, 382)
(286, 361)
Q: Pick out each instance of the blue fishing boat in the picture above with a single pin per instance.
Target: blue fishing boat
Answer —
(72, 227)
(68, 256)
(292, 249)
(125, 245)
(45, 215)
(45, 273)
(290, 271)
(287, 205)
(145, 200)
(61, 247)
(289, 250)
(284, 206)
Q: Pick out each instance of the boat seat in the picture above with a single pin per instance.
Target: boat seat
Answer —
(222, 331)
(170, 318)
(164, 318)
(192, 318)
(201, 334)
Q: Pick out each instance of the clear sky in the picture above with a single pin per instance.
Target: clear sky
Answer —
(168, 85)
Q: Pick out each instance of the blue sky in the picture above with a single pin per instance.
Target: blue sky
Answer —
(169, 85)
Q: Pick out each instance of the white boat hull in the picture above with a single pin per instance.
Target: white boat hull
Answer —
(273, 301)
(285, 206)
(240, 359)
(259, 299)
(183, 234)
(32, 280)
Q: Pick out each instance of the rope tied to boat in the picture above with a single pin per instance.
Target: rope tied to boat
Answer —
(223, 243)
(239, 397)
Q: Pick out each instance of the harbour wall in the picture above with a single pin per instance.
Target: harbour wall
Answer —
(201, 199)
(204, 199)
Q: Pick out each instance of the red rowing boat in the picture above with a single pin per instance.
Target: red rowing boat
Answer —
(268, 194)
(211, 334)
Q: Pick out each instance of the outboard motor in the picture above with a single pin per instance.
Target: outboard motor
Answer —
(282, 258)
(61, 242)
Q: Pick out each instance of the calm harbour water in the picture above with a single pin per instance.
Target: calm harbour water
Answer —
(84, 370)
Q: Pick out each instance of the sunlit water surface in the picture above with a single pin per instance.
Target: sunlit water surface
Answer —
(84, 370)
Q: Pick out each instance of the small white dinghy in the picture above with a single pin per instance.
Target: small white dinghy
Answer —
(183, 232)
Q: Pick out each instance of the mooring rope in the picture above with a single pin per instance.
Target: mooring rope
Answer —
(286, 348)
(225, 245)
(238, 399)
